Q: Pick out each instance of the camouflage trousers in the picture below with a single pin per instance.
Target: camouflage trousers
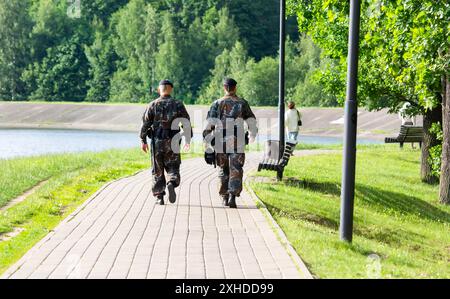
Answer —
(165, 160)
(230, 173)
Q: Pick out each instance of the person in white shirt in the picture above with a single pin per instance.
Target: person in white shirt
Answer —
(406, 118)
(292, 121)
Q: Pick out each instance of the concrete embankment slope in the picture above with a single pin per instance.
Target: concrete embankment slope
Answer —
(316, 121)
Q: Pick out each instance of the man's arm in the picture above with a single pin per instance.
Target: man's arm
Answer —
(147, 121)
(213, 114)
(250, 118)
(183, 114)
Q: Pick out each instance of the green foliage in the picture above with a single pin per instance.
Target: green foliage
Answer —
(228, 64)
(58, 76)
(436, 151)
(404, 54)
(129, 40)
(100, 9)
(311, 93)
(258, 22)
(169, 59)
(101, 57)
(303, 67)
(260, 85)
(14, 50)
(223, 34)
(118, 50)
(403, 51)
(258, 81)
(59, 67)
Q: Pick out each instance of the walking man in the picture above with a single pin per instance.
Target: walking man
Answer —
(226, 119)
(162, 123)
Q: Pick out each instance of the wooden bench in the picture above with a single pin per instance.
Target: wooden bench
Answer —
(271, 159)
(408, 134)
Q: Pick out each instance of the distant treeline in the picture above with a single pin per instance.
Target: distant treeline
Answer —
(118, 50)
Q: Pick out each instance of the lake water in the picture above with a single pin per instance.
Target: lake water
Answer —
(32, 142)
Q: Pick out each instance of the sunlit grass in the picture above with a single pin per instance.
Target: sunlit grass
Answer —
(397, 217)
(72, 178)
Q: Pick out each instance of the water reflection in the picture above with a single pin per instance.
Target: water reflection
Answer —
(32, 142)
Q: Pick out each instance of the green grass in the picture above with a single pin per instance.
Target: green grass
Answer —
(21, 174)
(340, 146)
(312, 146)
(72, 178)
(397, 217)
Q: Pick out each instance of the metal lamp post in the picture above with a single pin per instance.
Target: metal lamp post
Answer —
(281, 89)
(351, 116)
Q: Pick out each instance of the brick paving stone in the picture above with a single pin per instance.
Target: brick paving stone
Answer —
(120, 233)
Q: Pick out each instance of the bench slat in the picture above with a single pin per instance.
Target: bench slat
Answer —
(407, 134)
(275, 164)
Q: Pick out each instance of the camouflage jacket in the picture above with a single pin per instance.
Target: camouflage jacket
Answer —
(159, 116)
(231, 107)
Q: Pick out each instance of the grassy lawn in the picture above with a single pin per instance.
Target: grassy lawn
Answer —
(71, 179)
(397, 217)
(312, 146)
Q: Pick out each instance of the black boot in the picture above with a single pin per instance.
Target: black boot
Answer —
(172, 194)
(232, 202)
(160, 200)
(225, 200)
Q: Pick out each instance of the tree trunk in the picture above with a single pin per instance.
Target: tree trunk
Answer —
(429, 140)
(444, 188)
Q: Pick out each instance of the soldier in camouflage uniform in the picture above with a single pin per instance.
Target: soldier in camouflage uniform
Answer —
(161, 123)
(230, 151)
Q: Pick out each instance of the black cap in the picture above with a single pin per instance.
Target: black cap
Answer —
(229, 82)
(166, 82)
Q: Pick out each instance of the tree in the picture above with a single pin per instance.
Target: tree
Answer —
(100, 9)
(415, 69)
(134, 39)
(198, 62)
(310, 92)
(52, 27)
(304, 63)
(59, 68)
(260, 83)
(193, 9)
(238, 61)
(228, 64)
(444, 188)
(169, 63)
(58, 76)
(221, 31)
(261, 40)
(147, 51)
(101, 57)
(393, 69)
(225, 33)
(213, 90)
(14, 48)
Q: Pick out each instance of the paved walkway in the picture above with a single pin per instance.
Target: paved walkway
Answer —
(120, 233)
